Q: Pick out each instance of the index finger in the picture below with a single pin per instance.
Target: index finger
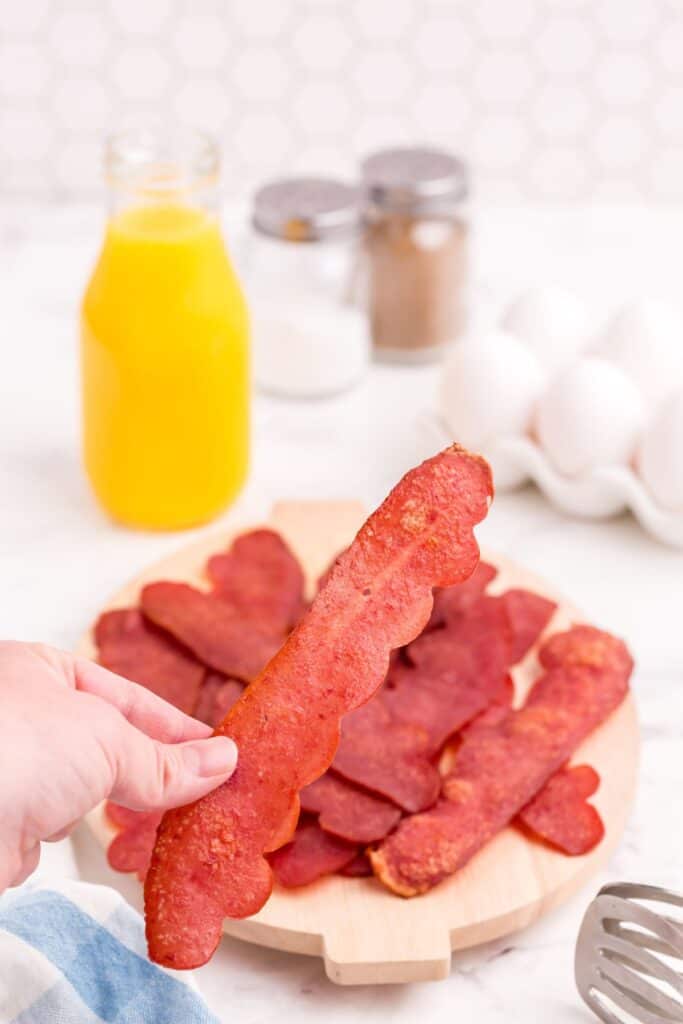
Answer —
(142, 708)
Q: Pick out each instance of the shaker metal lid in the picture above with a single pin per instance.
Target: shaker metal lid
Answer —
(306, 209)
(408, 176)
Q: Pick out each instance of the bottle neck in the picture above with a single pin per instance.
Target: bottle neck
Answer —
(162, 170)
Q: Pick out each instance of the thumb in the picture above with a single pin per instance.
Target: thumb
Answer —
(151, 775)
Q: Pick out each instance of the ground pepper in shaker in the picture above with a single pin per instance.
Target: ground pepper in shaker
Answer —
(416, 241)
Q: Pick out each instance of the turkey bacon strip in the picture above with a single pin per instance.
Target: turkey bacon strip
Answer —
(208, 861)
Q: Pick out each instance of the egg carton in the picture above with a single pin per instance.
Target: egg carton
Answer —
(602, 492)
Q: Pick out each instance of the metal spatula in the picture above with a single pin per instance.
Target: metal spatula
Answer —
(628, 956)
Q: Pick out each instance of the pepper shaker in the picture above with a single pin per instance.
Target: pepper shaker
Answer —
(416, 245)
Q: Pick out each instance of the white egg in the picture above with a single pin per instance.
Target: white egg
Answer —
(553, 323)
(488, 388)
(645, 339)
(660, 457)
(591, 415)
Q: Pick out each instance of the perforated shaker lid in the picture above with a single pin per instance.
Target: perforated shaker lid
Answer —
(306, 209)
(413, 176)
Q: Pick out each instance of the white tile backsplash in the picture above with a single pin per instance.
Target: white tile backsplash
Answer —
(548, 99)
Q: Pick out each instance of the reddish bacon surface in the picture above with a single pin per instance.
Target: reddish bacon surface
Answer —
(359, 867)
(451, 602)
(499, 768)
(211, 628)
(133, 647)
(348, 812)
(131, 849)
(528, 614)
(389, 745)
(261, 579)
(216, 696)
(208, 861)
(390, 757)
(311, 854)
(123, 817)
(560, 813)
(457, 671)
(324, 576)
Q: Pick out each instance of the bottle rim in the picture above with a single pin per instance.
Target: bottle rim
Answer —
(157, 160)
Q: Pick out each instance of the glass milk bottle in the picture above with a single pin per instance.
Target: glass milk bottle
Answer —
(164, 341)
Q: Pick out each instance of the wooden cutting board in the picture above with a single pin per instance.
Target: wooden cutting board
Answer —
(365, 934)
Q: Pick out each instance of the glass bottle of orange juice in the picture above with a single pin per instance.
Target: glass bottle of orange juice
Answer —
(164, 341)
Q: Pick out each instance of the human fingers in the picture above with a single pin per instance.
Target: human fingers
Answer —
(142, 708)
(29, 863)
(149, 775)
(62, 833)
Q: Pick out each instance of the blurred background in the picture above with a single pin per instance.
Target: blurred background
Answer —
(571, 100)
(566, 119)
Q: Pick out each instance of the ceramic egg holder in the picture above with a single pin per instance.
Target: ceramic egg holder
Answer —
(601, 493)
(502, 419)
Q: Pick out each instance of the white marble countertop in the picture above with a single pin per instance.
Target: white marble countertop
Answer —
(60, 558)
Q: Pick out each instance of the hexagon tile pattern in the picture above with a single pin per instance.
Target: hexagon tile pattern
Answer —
(547, 99)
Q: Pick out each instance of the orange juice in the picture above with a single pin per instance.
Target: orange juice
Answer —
(164, 358)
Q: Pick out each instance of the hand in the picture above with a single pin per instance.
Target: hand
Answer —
(74, 733)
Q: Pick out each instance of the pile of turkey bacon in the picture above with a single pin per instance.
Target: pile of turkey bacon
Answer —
(441, 725)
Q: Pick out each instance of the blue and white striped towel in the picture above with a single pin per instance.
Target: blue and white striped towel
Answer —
(74, 953)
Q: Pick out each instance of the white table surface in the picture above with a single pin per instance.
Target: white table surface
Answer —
(60, 558)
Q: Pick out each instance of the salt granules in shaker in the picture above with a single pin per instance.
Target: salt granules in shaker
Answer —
(416, 243)
(310, 338)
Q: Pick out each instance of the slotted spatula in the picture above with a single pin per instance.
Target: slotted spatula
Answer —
(628, 956)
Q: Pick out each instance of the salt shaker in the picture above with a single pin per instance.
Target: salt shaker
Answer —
(416, 244)
(310, 338)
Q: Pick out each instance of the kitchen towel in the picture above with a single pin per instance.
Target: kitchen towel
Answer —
(75, 953)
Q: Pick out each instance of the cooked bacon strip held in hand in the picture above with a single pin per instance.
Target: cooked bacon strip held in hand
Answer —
(208, 862)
